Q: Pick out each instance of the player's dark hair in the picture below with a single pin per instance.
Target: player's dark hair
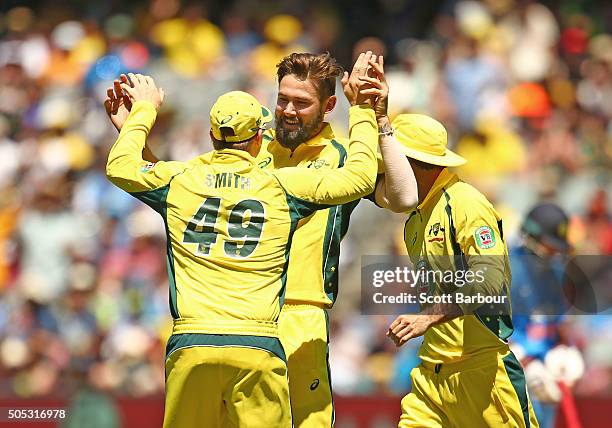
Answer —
(229, 132)
(321, 69)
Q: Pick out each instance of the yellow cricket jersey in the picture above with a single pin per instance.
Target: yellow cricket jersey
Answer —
(312, 276)
(229, 223)
(457, 228)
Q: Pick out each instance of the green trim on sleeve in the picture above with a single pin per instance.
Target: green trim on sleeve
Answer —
(341, 152)
(302, 208)
(156, 199)
(188, 340)
(171, 276)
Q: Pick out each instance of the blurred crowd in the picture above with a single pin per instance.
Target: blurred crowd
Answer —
(524, 89)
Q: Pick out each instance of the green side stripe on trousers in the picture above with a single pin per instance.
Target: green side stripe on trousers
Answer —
(517, 378)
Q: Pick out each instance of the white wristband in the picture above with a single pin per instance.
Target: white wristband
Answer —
(387, 133)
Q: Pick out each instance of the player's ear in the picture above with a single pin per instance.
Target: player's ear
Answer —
(216, 144)
(331, 103)
(255, 144)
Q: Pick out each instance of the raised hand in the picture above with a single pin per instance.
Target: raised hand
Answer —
(352, 84)
(378, 86)
(143, 88)
(117, 104)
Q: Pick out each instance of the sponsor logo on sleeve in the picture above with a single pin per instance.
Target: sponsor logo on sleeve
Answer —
(485, 237)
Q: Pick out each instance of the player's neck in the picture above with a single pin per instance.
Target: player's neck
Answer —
(319, 130)
(315, 134)
(425, 181)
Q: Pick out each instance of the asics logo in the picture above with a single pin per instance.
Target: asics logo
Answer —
(314, 385)
(264, 163)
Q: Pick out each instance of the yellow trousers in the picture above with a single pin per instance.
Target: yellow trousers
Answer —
(303, 331)
(217, 383)
(483, 391)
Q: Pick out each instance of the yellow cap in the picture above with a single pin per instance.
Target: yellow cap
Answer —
(241, 113)
(423, 138)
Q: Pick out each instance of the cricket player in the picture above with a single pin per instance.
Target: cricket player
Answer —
(538, 276)
(229, 227)
(301, 138)
(468, 377)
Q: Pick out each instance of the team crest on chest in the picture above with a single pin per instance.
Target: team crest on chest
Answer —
(434, 231)
(484, 237)
(318, 164)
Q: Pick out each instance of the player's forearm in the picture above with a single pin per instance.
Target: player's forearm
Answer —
(439, 313)
(147, 153)
(339, 186)
(126, 156)
(357, 177)
(400, 187)
(487, 281)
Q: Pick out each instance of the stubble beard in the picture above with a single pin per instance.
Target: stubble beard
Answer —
(292, 139)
